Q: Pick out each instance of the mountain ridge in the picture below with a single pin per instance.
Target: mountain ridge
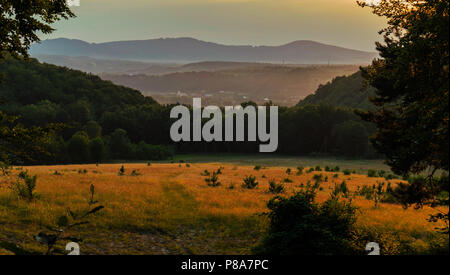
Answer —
(188, 49)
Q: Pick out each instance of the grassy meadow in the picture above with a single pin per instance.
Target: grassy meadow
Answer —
(167, 208)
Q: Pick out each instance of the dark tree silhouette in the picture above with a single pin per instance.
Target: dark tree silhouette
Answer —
(412, 82)
(22, 20)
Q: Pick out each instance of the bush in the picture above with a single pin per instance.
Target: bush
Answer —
(276, 188)
(25, 185)
(82, 171)
(250, 182)
(213, 179)
(300, 226)
(257, 167)
(347, 172)
(318, 178)
(121, 171)
(135, 173)
(341, 188)
(299, 170)
(288, 171)
(372, 173)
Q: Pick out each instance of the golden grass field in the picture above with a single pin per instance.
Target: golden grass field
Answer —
(169, 209)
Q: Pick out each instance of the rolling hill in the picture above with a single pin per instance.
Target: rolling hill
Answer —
(284, 85)
(343, 91)
(185, 50)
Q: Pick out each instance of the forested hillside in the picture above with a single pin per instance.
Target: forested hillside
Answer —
(101, 121)
(343, 91)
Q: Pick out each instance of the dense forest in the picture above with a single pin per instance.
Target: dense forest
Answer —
(98, 121)
(343, 91)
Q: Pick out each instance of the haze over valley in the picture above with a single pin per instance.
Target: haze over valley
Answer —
(177, 69)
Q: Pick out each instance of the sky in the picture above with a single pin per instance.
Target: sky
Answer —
(230, 22)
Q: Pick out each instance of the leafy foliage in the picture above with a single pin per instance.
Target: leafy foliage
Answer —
(300, 226)
(250, 182)
(25, 186)
(412, 93)
(276, 188)
(212, 180)
(344, 91)
(22, 21)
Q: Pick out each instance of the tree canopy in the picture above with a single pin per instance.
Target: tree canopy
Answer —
(22, 20)
(412, 83)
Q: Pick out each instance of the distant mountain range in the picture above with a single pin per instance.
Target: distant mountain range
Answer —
(185, 50)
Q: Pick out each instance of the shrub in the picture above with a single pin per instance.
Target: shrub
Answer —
(366, 191)
(276, 188)
(379, 193)
(336, 169)
(121, 171)
(372, 173)
(205, 173)
(287, 180)
(288, 171)
(135, 173)
(347, 172)
(25, 186)
(299, 170)
(300, 226)
(318, 178)
(250, 182)
(318, 168)
(213, 179)
(340, 189)
(219, 171)
(82, 171)
(257, 167)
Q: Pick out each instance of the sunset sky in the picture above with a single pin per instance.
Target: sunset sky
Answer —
(231, 22)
